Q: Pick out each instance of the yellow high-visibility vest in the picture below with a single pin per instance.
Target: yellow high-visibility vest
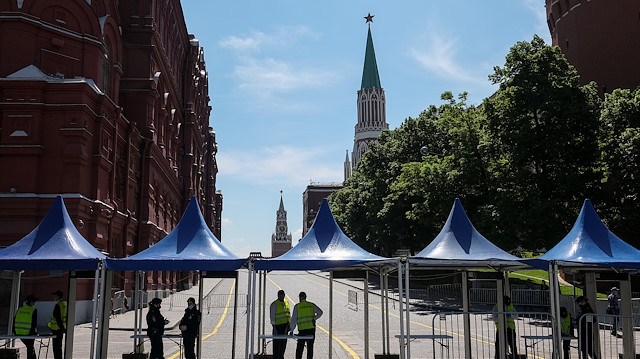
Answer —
(511, 323)
(305, 315)
(53, 323)
(283, 313)
(24, 318)
(565, 326)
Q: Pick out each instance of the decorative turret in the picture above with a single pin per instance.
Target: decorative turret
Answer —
(281, 239)
(372, 118)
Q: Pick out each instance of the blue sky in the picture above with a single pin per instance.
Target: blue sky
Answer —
(283, 78)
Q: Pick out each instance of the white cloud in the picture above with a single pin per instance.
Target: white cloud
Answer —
(281, 36)
(265, 79)
(297, 234)
(540, 12)
(265, 76)
(226, 221)
(278, 165)
(440, 60)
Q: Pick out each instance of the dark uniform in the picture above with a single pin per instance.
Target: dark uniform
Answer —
(586, 328)
(58, 324)
(155, 329)
(190, 326)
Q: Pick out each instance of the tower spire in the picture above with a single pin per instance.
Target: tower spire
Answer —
(372, 117)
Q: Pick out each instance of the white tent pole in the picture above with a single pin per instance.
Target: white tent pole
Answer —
(100, 320)
(235, 317)
(465, 316)
(249, 296)
(408, 309)
(95, 311)
(15, 302)
(400, 307)
(260, 308)
(382, 307)
(264, 307)
(135, 299)
(366, 314)
(501, 349)
(200, 300)
(142, 302)
(253, 312)
(330, 314)
(386, 305)
(557, 330)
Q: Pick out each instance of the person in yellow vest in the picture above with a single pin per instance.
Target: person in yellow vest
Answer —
(280, 316)
(566, 326)
(304, 316)
(58, 323)
(26, 323)
(510, 332)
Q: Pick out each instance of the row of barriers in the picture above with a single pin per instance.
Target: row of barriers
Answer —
(593, 336)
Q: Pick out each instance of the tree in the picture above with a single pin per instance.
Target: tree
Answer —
(543, 129)
(398, 197)
(620, 145)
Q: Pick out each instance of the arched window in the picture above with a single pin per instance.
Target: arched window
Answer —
(106, 69)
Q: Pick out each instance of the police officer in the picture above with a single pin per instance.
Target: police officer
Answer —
(304, 316)
(510, 323)
(26, 323)
(586, 328)
(155, 329)
(280, 316)
(58, 323)
(190, 327)
(566, 326)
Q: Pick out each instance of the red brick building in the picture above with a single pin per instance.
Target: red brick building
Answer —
(601, 38)
(105, 102)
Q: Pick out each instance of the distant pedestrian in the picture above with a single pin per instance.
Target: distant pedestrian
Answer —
(190, 327)
(58, 323)
(26, 323)
(280, 315)
(566, 325)
(586, 328)
(304, 316)
(155, 329)
(510, 332)
(613, 308)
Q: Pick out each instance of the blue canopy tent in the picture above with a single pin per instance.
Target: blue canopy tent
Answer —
(190, 246)
(460, 245)
(589, 246)
(55, 244)
(324, 247)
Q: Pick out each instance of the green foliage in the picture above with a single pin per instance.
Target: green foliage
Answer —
(522, 163)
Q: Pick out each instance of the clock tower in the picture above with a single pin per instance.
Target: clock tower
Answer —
(281, 239)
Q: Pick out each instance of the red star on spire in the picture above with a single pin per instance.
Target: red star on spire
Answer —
(369, 18)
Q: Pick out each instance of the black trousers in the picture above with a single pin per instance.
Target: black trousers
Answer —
(566, 346)
(511, 342)
(157, 350)
(57, 343)
(189, 342)
(309, 342)
(31, 351)
(280, 345)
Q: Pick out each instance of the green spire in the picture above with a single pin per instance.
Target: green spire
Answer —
(370, 77)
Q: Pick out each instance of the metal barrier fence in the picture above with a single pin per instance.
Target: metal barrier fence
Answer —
(532, 337)
(178, 301)
(600, 336)
(118, 303)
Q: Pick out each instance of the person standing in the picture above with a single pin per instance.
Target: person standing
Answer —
(613, 308)
(305, 314)
(280, 317)
(566, 327)
(586, 327)
(190, 327)
(58, 323)
(510, 332)
(155, 329)
(26, 323)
